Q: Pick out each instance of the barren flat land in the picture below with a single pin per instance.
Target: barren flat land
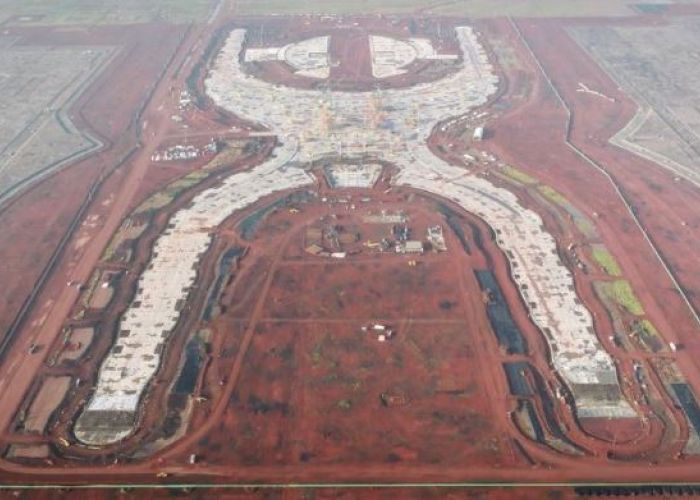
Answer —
(399, 249)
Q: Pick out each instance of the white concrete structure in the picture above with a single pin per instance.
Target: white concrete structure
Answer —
(545, 284)
(436, 238)
(163, 289)
(352, 176)
(300, 111)
(308, 58)
(390, 56)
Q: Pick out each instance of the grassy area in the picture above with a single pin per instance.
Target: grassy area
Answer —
(553, 195)
(585, 226)
(519, 175)
(92, 12)
(317, 353)
(606, 261)
(621, 292)
(470, 8)
(582, 222)
(89, 290)
(648, 335)
(648, 327)
(229, 153)
(166, 196)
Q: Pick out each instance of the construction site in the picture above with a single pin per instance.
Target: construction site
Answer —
(332, 254)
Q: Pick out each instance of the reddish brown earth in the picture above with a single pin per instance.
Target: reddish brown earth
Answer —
(429, 319)
(325, 408)
(619, 431)
(660, 208)
(350, 55)
(514, 143)
(349, 50)
(266, 396)
(111, 205)
(321, 493)
(276, 412)
(35, 222)
(430, 325)
(106, 320)
(661, 203)
(556, 164)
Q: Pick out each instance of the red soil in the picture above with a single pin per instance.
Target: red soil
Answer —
(349, 47)
(350, 55)
(110, 206)
(621, 430)
(661, 203)
(303, 493)
(251, 359)
(540, 149)
(307, 410)
(290, 398)
(34, 224)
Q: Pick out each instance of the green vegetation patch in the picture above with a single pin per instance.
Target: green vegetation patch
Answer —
(553, 195)
(90, 289)
(621, 292)
(344, 404)
(167, 195)
(648, 335)
(229, 153)
(585, 226)
(606, 261)
(582, 222)
(519, 176)
(316, 354)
